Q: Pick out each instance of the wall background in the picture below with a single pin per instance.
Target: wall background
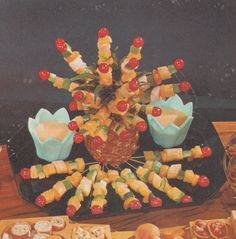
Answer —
(200, 31)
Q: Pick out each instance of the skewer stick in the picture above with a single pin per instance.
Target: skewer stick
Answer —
(91, 163)
(138, 157)
(85, 171)
(131, 165)
(137, 161)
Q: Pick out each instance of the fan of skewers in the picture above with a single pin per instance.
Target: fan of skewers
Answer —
(112, 98)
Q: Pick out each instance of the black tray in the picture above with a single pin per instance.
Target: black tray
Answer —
(22, 154)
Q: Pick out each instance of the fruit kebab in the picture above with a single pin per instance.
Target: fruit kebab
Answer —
(58, 189)
(122, 189)
(175, 171)
(140, 187)
(105, 59)
(40, 171)
(82, 191)
(176, 154)
(162, 185)
(73, 58)
(131, 61)
(99, 192)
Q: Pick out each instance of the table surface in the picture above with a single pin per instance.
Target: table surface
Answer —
(13, 206)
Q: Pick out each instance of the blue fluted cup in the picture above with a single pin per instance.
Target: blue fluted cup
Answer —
(170, 135)
(51, 149)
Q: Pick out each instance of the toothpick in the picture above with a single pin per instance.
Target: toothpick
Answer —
(131, 165)
(136, 161)
(91, 163)
(138, 157)
(85, 171)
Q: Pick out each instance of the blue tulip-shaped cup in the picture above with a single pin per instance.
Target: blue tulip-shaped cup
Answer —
(51, 149)
(170, 135)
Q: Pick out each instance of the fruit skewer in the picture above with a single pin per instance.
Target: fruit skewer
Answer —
(40, 171)
(83, 190)
(176, 154)
(140, 187)
(162, 185)
(122, 189)
(58, 189)
(175, 171)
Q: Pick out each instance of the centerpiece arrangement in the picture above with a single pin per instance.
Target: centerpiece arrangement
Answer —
(112, 101)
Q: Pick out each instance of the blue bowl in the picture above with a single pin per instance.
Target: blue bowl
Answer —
(170, 135)
(51, 149)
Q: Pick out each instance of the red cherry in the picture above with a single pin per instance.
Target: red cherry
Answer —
(156, 202)
(133, 63)
(103, 67)
(122, 106)
(206, 151)
(141, 126)
(133, 85)
(96, 210)
(97, 141)
(70, 210)
(125, 134)
(178, 63)
(135, 205)
(60, 44)
(156, 111)
(79, 95)
(184, 86)
(78, 138)
(73, 125)
(25, 173)
(203, 181)
(40, 201)
(44, 74)
(102, 32)
(186, 199)
(73, 106)
(138, 42)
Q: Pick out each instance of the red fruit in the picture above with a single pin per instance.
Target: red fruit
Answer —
(103, 67)
(203, 181)
(133, 63)
(79, 95)
(135, 205)
(156, 202)
(71, 210)
(25, 173)
(184, 86)
(138, 42)
(102, 32)
(156, 111)
(178, 63)
(97, 141)
(73, 125)
(186, 199)
(44, 74)
(125, 134)
(40, 201)
(133, 85)
(122, 106)
(60, 45)
(78, 138)
(96, 210)
(206, 151)
(73, 106)
(141, 126)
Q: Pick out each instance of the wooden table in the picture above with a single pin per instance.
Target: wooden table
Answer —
(12, 206)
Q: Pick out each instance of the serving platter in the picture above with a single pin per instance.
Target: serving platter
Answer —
(22, 154)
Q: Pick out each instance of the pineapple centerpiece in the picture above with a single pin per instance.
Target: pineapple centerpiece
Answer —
(111, 96)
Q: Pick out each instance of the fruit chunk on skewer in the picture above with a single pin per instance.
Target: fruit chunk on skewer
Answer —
(40, 171)
(58, 189)
(140, 187)
(175, 171)
(122, 189)
(83, 190)
(175, 154)
(162, 184)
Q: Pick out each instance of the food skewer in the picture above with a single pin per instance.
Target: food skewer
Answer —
(140, 187)
(40, 171)
(122, 189)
